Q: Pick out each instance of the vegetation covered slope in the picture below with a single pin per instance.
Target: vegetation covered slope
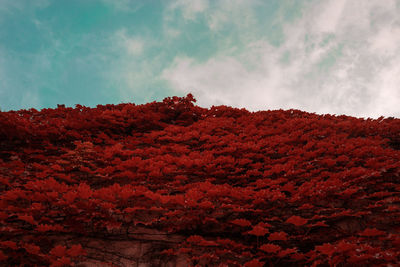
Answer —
(195, 186)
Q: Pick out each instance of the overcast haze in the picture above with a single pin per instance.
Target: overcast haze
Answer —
(337, 56)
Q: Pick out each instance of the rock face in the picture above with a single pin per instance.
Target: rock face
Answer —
(140, 248)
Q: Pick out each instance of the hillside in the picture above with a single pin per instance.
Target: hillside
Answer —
(173, 184)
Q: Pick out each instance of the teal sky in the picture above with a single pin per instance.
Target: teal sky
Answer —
(326, 56)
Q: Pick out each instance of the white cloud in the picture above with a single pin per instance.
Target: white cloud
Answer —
(386, 41)
(388, 99)
(134, 46)
(226, 80)
(329, 18)
(237, 13)
(340, 57)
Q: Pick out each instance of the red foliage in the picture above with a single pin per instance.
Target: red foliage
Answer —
(325, 188)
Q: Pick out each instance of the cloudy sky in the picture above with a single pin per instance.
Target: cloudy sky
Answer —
(322, 56)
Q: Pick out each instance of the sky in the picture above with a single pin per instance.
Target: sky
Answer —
(323, 56)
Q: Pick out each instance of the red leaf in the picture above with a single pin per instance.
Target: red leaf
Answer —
(85, 169)
(125, 193)
(289, 187)
(3, 216)
(326, 249)
(282, 236)
(9, 244)
(241, 222)
(372, 232)
(298, 256)
(37, 206)
(270, 248)
(195, 239)
(207, 243)
(4, 181)
(70, 196)
(297, 220)
(306, 207)
(265, 225)
(206, 205)
(52, 195)
(46, 228)
(258, 231)
(130, 210)
(168, 252)
(27, 218)
(2, 256)
(84, 191)
(58, 251)
(286, 252)
(344, 246)
(57, 167)
(76, 250)
(61, 262)
(349, 191)
(359, 259)
(184, 250)
(254, 263)
(320, 224)
(31, 248)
